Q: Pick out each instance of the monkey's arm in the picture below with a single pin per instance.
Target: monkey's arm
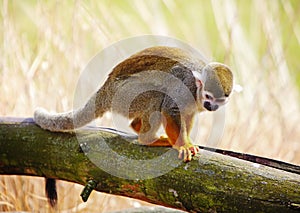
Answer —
(177, 127)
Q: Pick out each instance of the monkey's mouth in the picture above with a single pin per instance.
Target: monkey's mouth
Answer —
(210, 107)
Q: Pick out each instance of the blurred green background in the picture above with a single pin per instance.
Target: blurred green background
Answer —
(46, 45)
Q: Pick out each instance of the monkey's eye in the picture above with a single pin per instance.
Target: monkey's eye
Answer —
(208, 97)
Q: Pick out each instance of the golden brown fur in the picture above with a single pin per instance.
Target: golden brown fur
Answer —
(152, 87)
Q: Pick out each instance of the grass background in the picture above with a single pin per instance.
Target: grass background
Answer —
(46, 44)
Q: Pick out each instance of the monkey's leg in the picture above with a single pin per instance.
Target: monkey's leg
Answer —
(136, 124)
(178, 134)
(147, 129)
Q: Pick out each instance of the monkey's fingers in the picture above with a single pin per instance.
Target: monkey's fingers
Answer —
(195, 150)
(185, 154)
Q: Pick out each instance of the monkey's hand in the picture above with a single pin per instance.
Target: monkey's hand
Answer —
(187, 151)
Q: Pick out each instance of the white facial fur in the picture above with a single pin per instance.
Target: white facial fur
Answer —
(211, 103)
(208, 100)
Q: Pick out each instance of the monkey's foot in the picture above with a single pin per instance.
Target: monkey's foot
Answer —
(186, 152)
(162, 141)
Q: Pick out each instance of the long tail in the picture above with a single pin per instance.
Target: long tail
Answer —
(69, 120)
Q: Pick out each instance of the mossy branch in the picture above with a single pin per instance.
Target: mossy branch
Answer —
(211, 182)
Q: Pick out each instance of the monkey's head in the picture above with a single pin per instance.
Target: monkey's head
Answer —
(216, 81)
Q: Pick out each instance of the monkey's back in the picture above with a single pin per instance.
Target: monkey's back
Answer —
(145, 79)
(160, 58)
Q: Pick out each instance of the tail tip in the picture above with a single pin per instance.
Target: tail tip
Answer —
(51, 191)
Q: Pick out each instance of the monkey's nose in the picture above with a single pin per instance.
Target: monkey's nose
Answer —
(209, 106)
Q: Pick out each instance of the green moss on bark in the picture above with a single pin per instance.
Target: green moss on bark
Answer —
(210, 182)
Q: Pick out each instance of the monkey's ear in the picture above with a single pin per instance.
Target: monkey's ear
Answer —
(198, 77)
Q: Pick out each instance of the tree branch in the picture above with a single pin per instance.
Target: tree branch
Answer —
(210, 182)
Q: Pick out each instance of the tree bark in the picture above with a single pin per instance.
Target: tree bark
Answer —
(211, 182)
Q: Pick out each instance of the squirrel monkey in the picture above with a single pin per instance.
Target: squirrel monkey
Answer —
(178, 85)
(210, 85)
